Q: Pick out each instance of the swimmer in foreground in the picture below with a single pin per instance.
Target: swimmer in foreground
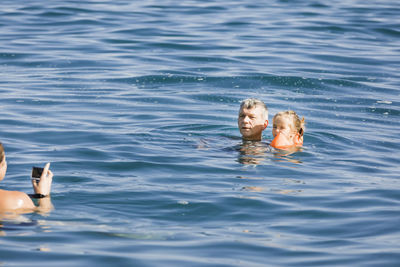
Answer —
(288, 130)
(20, 202)
(253, 119)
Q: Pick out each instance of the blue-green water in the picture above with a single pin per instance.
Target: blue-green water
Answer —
(135, 105)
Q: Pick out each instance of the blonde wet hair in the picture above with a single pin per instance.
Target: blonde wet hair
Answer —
(299, 124)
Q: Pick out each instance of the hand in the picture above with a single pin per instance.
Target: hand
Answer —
(44, 185)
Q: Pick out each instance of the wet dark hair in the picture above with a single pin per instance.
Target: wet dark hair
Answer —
(2, 154)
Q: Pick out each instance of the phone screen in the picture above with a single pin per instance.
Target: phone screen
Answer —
(37, 172)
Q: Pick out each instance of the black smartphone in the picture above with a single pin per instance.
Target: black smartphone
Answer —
(37, 173)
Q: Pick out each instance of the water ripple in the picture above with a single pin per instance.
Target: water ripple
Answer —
(135, 104)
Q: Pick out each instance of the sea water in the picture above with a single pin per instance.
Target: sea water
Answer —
(135, 105)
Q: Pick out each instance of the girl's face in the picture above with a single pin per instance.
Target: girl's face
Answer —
(283, 125)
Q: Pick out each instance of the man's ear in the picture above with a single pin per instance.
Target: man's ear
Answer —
(265, 124)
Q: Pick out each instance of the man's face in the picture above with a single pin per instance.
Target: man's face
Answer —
(251, 123)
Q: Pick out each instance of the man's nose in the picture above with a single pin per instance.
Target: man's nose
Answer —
(246, 119)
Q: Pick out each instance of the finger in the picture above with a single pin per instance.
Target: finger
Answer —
(45, 170)
(50, 175)
(34, 183)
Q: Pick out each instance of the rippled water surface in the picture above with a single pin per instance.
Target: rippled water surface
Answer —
(135, 104)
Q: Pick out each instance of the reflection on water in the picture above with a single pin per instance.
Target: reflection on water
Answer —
(287, 155)
(284, 187)
(20, 223)
(256, 152)
(15, 223)
(253, 152)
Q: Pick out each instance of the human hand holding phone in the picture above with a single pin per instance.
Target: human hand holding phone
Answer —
(42, 184)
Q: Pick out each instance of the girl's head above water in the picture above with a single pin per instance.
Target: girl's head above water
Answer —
(288, 129)
(292, 120)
